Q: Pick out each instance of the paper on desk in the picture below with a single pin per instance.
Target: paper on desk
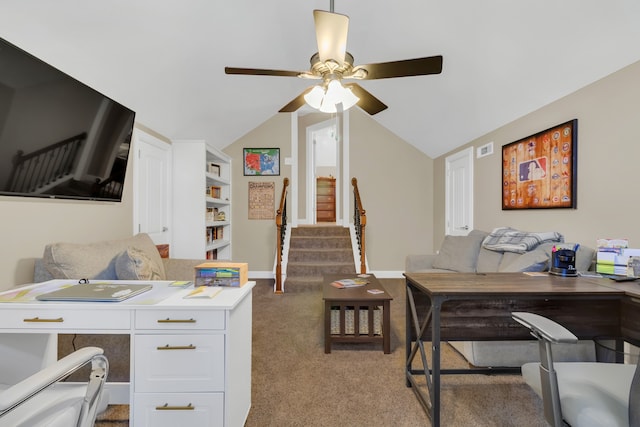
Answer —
(29, 293)
(206, 292)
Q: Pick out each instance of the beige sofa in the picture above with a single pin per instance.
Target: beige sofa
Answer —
(466, 254)
(132, 258)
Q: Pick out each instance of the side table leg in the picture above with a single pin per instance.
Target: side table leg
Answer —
(386, 327)
(327, 327)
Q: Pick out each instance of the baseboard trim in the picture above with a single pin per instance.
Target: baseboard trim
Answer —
(261, 275)
(388, 274)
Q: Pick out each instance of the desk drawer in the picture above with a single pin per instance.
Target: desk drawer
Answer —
(64, 319)
(179, 409)
(179, 363)
(180, 319)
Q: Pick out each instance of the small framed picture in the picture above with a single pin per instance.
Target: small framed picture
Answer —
(261, 161)
(214, 169)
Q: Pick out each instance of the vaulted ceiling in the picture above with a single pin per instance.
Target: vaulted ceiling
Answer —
(165, 59)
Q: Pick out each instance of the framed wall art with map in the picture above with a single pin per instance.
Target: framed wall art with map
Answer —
(261, 161)
(539, 171)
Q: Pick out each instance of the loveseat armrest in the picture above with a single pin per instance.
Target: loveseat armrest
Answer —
(181, 269)
(417, 263)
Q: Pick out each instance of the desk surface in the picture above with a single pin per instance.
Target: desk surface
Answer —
(517, 284)
(161, 296)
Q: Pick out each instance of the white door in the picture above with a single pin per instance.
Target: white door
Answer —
(459, 193)
(152, 187)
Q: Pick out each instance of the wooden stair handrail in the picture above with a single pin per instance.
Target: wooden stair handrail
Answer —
(281, 225)
(359, 221)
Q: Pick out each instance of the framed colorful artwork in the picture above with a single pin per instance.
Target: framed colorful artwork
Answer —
(261, 161)
(540, 171)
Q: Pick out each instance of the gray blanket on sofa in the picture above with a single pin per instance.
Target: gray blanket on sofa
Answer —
(505, 239)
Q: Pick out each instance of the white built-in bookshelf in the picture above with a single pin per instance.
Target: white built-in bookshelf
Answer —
(202, 201)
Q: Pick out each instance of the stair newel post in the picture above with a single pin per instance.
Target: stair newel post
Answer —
(281, 225)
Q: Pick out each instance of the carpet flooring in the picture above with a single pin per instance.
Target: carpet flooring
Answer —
(294, 383)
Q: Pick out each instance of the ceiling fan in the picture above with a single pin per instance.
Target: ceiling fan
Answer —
(332, 63)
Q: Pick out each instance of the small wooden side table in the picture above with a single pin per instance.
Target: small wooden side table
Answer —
(353, 301)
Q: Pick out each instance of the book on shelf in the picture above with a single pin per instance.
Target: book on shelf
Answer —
(214, 169)
(215, 191)
(349, 283)
(212, 213)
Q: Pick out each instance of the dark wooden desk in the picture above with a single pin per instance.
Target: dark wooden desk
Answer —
(356, 299)
(477, 307)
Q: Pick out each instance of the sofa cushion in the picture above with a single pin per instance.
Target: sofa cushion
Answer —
(95, 260)
(535, 260)
(488, 261)
(134, 264)
(459, 253)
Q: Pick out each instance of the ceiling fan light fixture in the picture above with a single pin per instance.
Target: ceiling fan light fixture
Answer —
(326, 100)
(314, 97)
(349, 99)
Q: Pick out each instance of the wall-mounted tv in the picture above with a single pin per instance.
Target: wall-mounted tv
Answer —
(59, 138)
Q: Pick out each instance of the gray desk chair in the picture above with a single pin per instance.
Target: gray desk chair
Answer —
(579, 394)
(41, 400)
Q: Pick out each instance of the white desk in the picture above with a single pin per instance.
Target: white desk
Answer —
(190, 358)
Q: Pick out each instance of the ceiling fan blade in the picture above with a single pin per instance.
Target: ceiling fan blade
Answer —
(331, 35)
(261, 72)
(405, 68)
(296, 103)
(367, 102)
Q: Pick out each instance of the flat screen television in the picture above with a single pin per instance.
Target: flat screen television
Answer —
(59, 138)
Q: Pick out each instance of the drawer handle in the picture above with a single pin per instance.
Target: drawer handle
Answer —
(166, 407)
(177, 347)
(167, 320)
(39, 320)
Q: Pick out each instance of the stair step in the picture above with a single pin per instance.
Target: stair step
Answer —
(324, 254)
(320, 242)
(320, 231)
(304, 280)
(319, 268)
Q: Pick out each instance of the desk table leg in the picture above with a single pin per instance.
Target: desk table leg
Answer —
(431, 399)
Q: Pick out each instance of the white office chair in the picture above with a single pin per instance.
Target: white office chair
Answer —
(579, 394)
(41, 400)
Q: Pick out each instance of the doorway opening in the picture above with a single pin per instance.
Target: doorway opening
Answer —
(323, 172)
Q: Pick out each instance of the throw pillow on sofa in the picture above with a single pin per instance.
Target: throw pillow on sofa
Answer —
(459, 253)
(134, 264)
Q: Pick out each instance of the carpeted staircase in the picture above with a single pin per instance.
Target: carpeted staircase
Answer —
(318, 250)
